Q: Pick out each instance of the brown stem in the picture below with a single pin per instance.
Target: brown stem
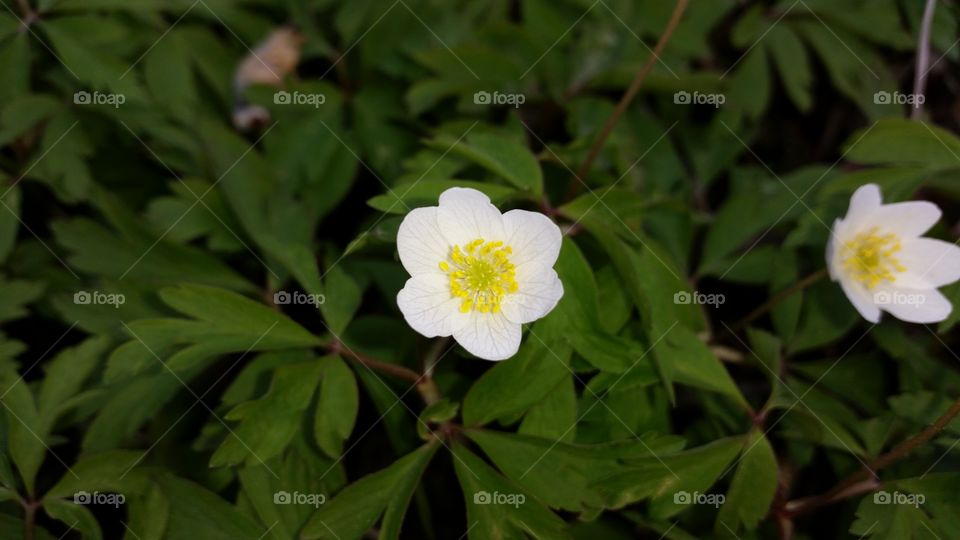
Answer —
(376, 365)
(865, 479)
(426, 386)
(29, 518)
(627, 98)
(776, 299)
(25, 8)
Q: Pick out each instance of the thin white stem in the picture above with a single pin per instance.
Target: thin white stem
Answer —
(923, 60)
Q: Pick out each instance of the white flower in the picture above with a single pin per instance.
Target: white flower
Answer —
(477, 274)
(877, 254)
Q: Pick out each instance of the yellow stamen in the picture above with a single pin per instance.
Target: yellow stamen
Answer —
(869, 257)
(481, 277)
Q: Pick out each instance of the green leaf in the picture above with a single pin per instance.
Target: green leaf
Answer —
(355, 509)
(752, 488)
(792, 62)
(228, 313)
(498, 508)
(302, 476)
(555, 417)
(910, 508)
(342, 301)
(113, 471)
(671, 479)
(337, 406)
(904, 141)
(270, 423)
(426, 192)
(168, 76)
(826, 315)
(436, 413)
(501, 156)
(691, 362)
(26, 430)
(562, 475)
(15, 294)
(9, 220)
(514, 386)
(66, 374)
(74, 516)
(196, 512)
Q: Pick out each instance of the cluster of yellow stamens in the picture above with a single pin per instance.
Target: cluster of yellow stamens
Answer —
(481, 274)
(870, 259)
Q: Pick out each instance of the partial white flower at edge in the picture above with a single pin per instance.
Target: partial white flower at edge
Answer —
(878, 255)
(477, 274)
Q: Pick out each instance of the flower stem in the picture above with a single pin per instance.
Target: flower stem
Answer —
(923, 59)
(627, 98)
(777, 298)
(865, 479)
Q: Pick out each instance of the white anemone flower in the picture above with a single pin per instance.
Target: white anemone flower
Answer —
(477, 274)
(877, 254)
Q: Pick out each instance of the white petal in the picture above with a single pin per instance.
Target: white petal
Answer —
(428, 307)
(864, 201)
(533, 237)
(930, 263)
(916, 306)
(539, 290)
(862, 301)
(420, 243)
(906, 219)
(833, 263)
(466, 215)
(490, 336)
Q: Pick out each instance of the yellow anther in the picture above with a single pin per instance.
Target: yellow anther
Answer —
(481, 277)
(869, 258)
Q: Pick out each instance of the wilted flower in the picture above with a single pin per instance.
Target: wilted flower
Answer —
(477, 274)
(877, 254)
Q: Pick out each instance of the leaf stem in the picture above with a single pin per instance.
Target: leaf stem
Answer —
(923, 59)
(383, 367)
(865, 479)
(627, 98)
(776, 299)
(25, 8)
(29, 518)
(426, 386)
